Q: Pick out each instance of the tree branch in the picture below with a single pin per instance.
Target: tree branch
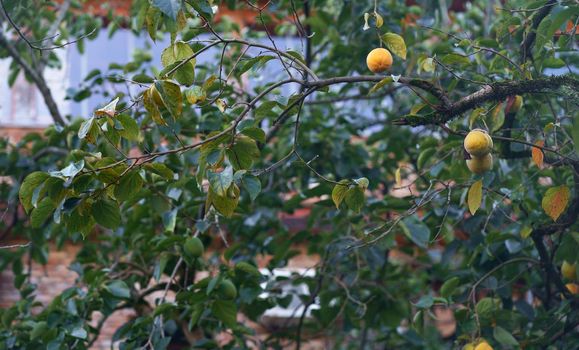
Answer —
(527, 44)
(37, 78)
(492, 93)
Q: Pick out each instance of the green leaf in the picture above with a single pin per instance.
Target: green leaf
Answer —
(354, 198)
(225, 204)
(486, 307)
(225, 311)
(107, 213)
(177, 53)
(380, 85)
(160, 169)
(42, 212)
(250, 63)
(255, 133)
(171, 96)
(170, 220)
(130, 129)
(169, 7)
(448, 288)
(454, 58)
(243, 153)
(339, 192)
(119, 289)
(129, 185)
(504, 337)
(252, 185)
(396, 44)
(220, 182)
(29, 185)
(425, 302)
(416, 230)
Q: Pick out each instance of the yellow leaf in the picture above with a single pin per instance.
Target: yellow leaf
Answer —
(380, 84)
(398, 178)
(366, 17)
(474, 196)
(537, 153)
(526, 232)
(379, 20)
(555, 201)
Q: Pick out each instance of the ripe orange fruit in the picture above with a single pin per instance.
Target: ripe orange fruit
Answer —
(483, 346)
(379, 60)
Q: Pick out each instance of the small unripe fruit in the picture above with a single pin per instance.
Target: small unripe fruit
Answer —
(469, 346)
(227, 290)
(479, 165)
(478, 143)
(568, 270)
(379, 60)
(194, 247)
(483, 346)
(572, 288)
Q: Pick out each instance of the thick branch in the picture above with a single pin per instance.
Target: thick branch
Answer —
(527, 44)
(36, 77)
(493, 93)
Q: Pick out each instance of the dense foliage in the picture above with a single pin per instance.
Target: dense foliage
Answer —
(224, 150)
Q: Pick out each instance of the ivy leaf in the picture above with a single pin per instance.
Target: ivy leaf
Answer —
(555, 201)
(108, 110)
(474, 196)
(168, 7)
(537, 154)
(29, 185)
(504, 337)
(176, 54)
(339, 192)
(106, 213)
(396, 44)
